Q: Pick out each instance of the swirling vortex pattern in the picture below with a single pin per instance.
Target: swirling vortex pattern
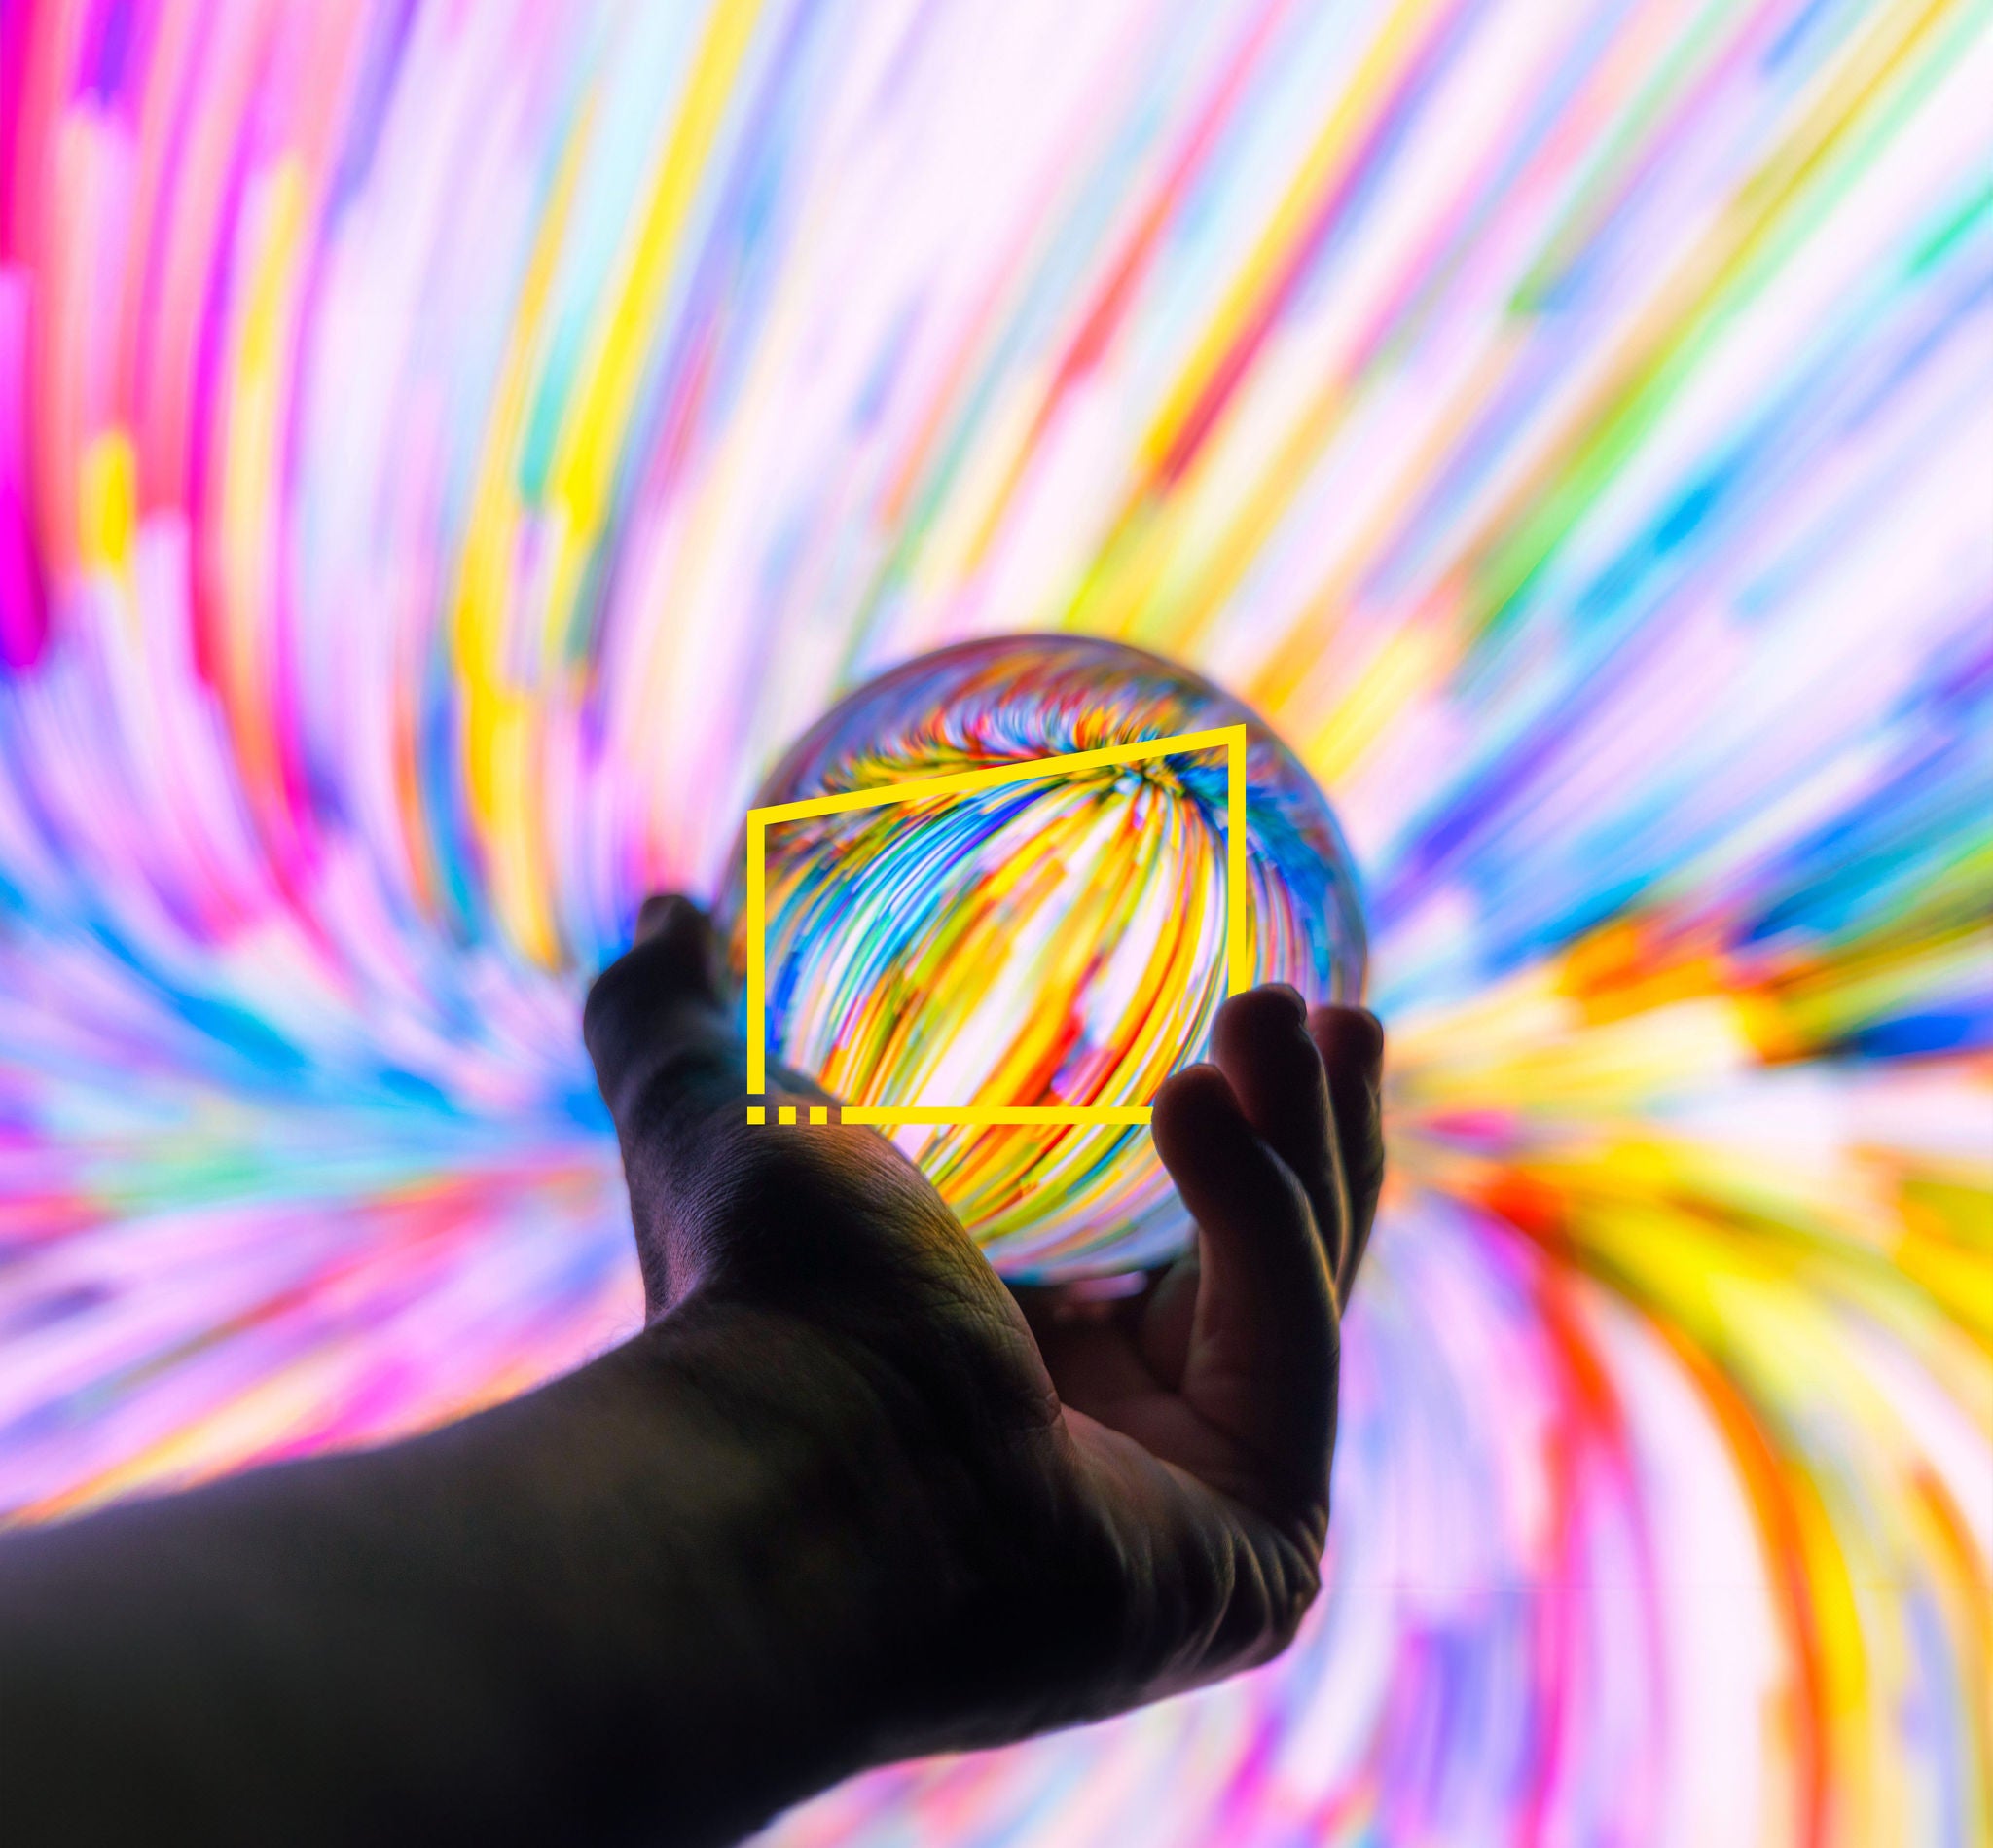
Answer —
(446, 451)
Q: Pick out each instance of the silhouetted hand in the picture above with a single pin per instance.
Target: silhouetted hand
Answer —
(1079, 1506)
(844, 1499)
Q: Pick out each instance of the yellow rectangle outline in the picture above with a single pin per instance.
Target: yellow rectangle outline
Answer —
(1238, 948)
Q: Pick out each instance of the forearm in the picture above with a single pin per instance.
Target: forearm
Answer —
(644, 1599)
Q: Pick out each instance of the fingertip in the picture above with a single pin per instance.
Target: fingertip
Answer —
(1196, 1121)
(1186, 1095)
(1294, 996)
(677, 939)
(673, 918)
(1349, 1038)
(1272, 1004)
(654, 914)
(674, 961)
(1260, 1039)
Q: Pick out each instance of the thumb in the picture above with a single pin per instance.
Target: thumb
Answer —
(671, 1070)
(654, 1002)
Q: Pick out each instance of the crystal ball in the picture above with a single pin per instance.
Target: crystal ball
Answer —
(1057, 941)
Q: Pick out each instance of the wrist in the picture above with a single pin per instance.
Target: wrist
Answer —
(920, 1575)
(935, 1577)
(803, 1557)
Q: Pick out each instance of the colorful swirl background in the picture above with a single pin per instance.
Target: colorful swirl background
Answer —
(447, 452)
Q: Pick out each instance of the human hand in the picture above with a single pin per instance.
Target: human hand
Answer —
(1088, 1505)
(845, 1499)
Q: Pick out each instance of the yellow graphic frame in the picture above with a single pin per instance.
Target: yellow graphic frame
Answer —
(1231, 739)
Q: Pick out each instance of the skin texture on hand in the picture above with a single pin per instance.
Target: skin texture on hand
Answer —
(1117, 1502)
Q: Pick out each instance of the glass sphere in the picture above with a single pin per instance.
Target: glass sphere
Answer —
(1058, 941)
